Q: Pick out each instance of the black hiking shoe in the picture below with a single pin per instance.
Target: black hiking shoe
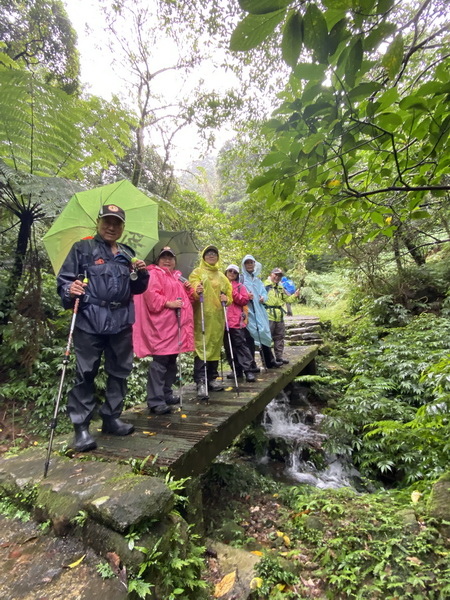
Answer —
(202, 394)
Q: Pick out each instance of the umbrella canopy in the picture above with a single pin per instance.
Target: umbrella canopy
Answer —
(79, 218)
(182, 244)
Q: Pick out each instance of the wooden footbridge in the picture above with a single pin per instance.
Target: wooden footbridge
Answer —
(188, 440)
(113, 500)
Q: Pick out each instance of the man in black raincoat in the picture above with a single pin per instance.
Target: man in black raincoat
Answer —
(104, 322)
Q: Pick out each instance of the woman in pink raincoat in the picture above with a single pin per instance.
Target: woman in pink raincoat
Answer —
(163, 329)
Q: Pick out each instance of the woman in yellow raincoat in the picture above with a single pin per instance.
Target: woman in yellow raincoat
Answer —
(211, 288)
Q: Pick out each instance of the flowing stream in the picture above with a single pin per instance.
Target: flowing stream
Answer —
(295, 432)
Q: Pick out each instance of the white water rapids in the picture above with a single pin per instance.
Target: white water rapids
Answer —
(299, 427)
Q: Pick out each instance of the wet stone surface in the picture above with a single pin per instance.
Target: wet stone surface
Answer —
(35, 566)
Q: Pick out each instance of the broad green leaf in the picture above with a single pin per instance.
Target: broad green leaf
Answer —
(389, 121)
(345, 239)
(384, 5)
(261, 7)
(388, 98)
(388, 231)
(318, 107)
(414, 202)
(364, 90)
(338, 4)
(414, 102)
(374, 39)
(292, 40)
(354, 62)
(288, 187)
(392, 60)
(316, 32)
(253, 29)
(420, 214)
(338, 34)
(273, 158)
(433, 87)
(310, 72)
(364, 6)
(267, 177)
(312, 141)
(377, 218)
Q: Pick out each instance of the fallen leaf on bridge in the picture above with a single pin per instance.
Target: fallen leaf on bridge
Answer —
(228, 389)
(184, 416)
(149, 432)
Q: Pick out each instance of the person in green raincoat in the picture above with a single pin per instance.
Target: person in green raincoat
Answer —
(211, 288)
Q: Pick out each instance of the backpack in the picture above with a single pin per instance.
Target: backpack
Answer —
(288, 285)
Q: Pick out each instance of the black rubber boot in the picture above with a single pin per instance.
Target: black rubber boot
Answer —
(249, 377)
(116, 426)
(83, 441)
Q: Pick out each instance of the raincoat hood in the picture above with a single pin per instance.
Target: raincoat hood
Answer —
(258, 266)
(204, 264)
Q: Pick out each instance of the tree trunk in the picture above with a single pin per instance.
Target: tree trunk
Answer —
(13, 280)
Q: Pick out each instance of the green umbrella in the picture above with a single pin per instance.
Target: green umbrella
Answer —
(79, 217)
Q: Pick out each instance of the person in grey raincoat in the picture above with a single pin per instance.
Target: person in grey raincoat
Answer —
(258, 322)
(104, 322)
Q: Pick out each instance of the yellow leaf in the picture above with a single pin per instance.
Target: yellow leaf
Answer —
(415, 496)
(256, 553)
(225, 585)
(149, 432)
(388, 220)
(280, 586)
(256, 583)
(184, 416)
(77, 562)
(286, 540)
(333, 183)
(275, 495)
(280, 534)
(100, 501)
(228, 389)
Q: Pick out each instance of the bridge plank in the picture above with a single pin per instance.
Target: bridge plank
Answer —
(188, 440)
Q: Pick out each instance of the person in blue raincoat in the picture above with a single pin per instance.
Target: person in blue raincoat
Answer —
(258, 322)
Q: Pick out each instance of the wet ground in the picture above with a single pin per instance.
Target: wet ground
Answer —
(39, 566)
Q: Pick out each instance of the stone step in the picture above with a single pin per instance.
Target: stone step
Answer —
(300, 330)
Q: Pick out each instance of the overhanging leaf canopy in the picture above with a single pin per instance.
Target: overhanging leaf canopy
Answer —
(46, 132)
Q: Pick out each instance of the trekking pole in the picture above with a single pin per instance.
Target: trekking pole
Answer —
(224, 305)
(65, 362)
(180, 388)
(261, 353)
(202, 314)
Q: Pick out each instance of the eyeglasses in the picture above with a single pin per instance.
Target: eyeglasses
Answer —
(210, 253)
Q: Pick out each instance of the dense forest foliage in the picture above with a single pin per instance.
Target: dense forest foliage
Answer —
(337, 173)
